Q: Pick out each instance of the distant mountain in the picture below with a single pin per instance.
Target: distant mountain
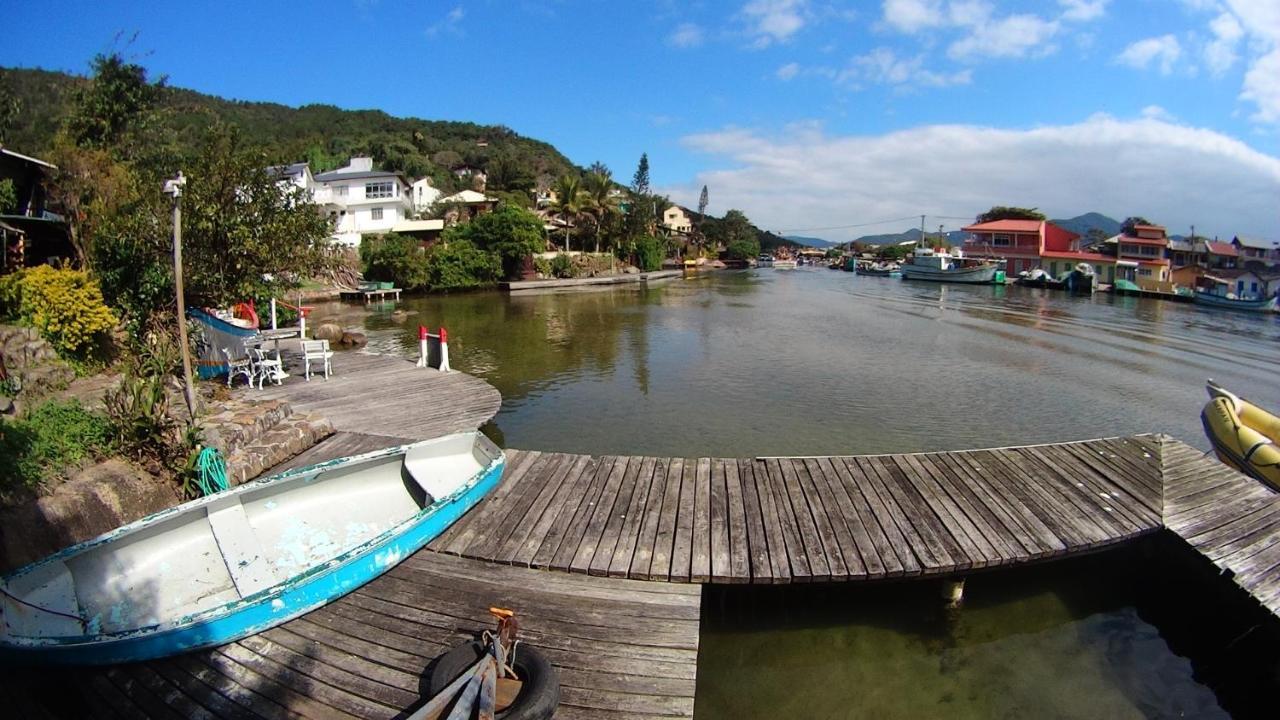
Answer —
(812, 242)
(1082, 224)
(955, 237)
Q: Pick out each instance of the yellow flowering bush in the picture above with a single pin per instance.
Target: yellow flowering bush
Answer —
(64, 305)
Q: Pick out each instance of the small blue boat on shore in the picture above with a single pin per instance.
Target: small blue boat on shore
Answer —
(1235, 303)
(239, 562)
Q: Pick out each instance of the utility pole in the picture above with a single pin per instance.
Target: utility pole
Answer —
(922, 242)
(173, 188)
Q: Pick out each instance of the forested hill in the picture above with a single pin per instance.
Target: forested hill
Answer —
(322, 134)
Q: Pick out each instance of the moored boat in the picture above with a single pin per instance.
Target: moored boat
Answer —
(953, 267)
(1243, 435)
(764, 260)
(1232, 302)
(239, 562)
(878, 270)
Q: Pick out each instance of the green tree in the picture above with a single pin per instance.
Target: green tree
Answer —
(245, 235)
(460, 265)
(114, 103)
(1000, 212)
(600, 200)
(396, 259)
(569, 202)
(512, 233)
(10, 107)
(1127, 227)
(640, 181)
(8, 197)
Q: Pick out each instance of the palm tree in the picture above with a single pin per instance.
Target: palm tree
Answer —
(600, 199)
(568, 204)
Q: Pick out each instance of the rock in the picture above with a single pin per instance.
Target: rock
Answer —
(630, 270)
(6, 405)
(399, 316)
(327, 331)
(353, 339)
(98, 499)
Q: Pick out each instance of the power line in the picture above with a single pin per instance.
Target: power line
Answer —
(869, 224)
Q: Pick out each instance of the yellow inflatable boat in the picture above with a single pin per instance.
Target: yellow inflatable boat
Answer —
(1244, 435)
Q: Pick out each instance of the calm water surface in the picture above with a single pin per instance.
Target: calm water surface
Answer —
(814, 361)
(820, 362)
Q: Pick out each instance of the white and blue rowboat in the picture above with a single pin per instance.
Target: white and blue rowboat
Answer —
(1250, 305)
(229, 565)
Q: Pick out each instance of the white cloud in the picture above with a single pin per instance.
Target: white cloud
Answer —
(1164, 51)
(911, 16)
(1083, 10)
(1220, 53)
(804, 178)
(451, 22)
(883, 66)
(1262, 87)
(686, 35)
(788, 71)
(1012, 36)
(1260, 20)
(774, 21)
(1155, 112)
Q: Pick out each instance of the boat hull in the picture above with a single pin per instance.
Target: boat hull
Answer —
(1210, 300)
(985, 275)
(1238, 445)
(277, 604)
(877, 273)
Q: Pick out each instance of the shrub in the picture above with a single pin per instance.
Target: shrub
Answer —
(64, 305)
(542, 266)
(395, 258)
(649, 252)
(512, 232)
(562, 266)
(51, 438)
(461, 265)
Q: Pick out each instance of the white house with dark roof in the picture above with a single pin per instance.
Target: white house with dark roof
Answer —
(424, 195)
(362, 200)
(297, 175)
(1257, 250)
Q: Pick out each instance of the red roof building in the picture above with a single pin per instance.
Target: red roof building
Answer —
(1146, 249)
(1028, 244)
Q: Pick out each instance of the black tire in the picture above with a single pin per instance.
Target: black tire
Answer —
(539, 695)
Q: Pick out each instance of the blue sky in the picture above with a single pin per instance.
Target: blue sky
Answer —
(804, 113)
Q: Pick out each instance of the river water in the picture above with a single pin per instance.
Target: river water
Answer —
(813, 361)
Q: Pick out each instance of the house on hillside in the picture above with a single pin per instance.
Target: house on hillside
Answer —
(466, 205)
(1216, 255)
(297, 175)
(424, 195)
(361, 200)
(1256, 251)
(1029, 244)
(31, 233)
(678, 220)
(477, 177)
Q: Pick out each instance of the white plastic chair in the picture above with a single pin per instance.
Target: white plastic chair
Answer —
(316, 351)
(237, 366)
(266, 367)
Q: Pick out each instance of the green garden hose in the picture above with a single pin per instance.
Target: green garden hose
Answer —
(211, 472)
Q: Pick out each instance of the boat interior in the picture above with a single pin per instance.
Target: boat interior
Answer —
(239, 544)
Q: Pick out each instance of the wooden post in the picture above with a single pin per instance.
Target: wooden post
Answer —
(953, 593)
(174, 188)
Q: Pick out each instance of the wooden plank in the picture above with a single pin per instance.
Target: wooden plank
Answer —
(682, 542)
(1086, 517)
(1098, 504)
(700, 549)
(456, 539)
(1049, 513)
(1130, 505)
(647, 532)
(971, 543)
(890, 545)
(868, 542)
(739, 536)
(564, 502)
(510, 512)
(579, 522)
(575, 503)
(793, 549)
(612, 534)
(599, 517)
(549, 484)
(1085, 459)
(813, 490)
(794, 506)
(1002, 543)
(836, 504)
(930, 555)
(1006, 505)
(721, 557)
(660, 567)
(934, 538)
(758, 538)
(633, 519)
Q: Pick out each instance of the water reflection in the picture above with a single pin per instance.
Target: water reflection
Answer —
(818, 362)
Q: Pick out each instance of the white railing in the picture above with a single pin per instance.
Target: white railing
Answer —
(433, 349)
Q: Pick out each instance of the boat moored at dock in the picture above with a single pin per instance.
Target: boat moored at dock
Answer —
(239, 562)
(953, 267)
(1232, 302)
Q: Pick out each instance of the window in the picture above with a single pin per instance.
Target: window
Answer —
(1001, 240)
(376, 214)
(340, 191)
(1150, 250)
(373, 191)
(1144, 272)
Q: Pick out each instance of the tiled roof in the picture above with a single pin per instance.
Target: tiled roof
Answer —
(1006, 226)
(1221, 248)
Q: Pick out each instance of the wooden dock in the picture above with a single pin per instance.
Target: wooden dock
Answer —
(1230, 519)
(384, 395)
(570, 284)
(368, 295)
(781, 520)
(623, 649)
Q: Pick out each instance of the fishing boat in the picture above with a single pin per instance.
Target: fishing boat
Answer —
(1038, 278)
(765, 260)
(239, 562)
(1233, 302)
(953, 267)
(1243, 435)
